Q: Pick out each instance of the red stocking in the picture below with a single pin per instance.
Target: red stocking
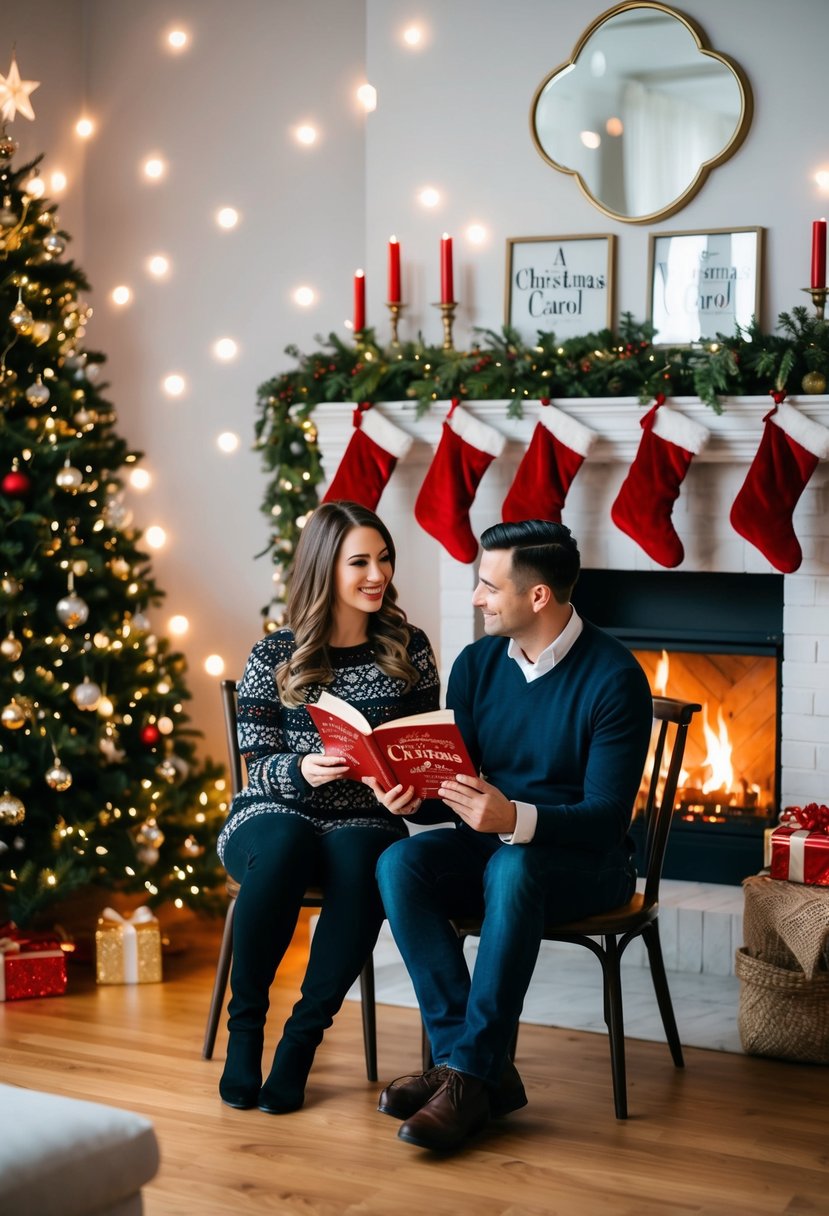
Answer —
(466, 449)
(554, 455)
(644, 504)
(788, 455)
(369, 460)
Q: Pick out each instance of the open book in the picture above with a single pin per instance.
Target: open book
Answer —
(422, 750)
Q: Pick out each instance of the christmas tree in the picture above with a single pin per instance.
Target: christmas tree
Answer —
(99, 778)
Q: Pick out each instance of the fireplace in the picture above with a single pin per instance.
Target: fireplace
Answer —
(716, 639)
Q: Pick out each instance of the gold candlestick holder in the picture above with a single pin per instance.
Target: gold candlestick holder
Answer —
(395, 310)
(818, 295)
(447, 316)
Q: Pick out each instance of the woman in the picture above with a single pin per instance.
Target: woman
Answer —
(301, 821)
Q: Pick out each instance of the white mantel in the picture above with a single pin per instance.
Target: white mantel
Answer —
(435, 589)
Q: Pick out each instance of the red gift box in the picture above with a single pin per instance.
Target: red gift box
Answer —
(31, 964)
(800, 846)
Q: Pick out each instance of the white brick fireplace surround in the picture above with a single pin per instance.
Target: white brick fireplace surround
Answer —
(435, 589)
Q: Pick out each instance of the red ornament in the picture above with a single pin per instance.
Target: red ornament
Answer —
(150, 734)
(16, 484)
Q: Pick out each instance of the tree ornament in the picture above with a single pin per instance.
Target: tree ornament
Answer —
(466, 449)
(149, 833)
(72, 610)
(11, 647)
(643, 506)
(37, 393)
(12, 716)
(166, 725)
(147, 855)
(12, 810)
(8, 146)
(191, 848)
(16, 484)
(87, 695)
(814, 382)
(20, 319)
(41, 332)
(373, 451)
(54, 244)
(167, 771)
(14, 94)
(120, 567)
(69, 478)
(117, 514)
(139, 623)
(86, 418)
(149, 734)
(10, 585)
(58, 776)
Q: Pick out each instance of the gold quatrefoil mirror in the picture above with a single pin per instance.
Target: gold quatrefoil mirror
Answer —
(642, 112)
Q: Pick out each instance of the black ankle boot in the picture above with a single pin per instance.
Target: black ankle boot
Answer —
(242, 1076)
(284, 1090)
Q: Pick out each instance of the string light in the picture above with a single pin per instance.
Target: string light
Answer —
(85, 127)
(822, 178)
(121, 295)
(476, 234)
(178, 40)
(306, 134)
(158, 265)
(214, 665)
(174, 384)
(367, 97)
(154, 168)
(155, 536)
(228, 441)
(304, 296)
(178, 625)
(225, 349)
(227, 217)
(140, 479)
(429, 196)
(57, 181)
(413, 36)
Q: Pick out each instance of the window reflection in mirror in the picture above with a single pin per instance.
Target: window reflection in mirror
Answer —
(641, 112)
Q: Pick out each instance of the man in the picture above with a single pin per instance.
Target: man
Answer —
(557, 717)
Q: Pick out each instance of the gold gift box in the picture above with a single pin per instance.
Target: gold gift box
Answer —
(128, 948)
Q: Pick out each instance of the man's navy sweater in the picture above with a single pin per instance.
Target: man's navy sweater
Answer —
(572, 742)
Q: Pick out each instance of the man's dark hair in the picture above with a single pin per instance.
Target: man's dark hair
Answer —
(542, 552)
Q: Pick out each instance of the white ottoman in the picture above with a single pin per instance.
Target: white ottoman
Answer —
(63, 1157)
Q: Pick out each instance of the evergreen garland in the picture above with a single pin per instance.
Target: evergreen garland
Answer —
(501, 366)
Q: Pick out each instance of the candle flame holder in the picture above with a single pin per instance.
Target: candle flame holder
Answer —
(447, 316)
(818, 295)
(395, 308)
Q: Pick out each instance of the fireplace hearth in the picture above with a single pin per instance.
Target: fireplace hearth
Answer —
(716, 639)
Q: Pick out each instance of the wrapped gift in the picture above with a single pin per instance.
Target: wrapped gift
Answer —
(800, 845)
(128, 948)
(31, 964)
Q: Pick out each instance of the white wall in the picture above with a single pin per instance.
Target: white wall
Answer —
(453, 115)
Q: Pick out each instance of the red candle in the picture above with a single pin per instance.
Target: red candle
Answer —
(394, 270)
(359, 300)
(819, 253)
(447, 286)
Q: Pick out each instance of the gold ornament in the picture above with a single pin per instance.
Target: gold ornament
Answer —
(12, 810)
(192, 848)
(10, 586)
(12, 716)
(149, 833)
(11, 648)
(120, 567)
(8, 146)
(69, 478)
(20, 319)
(814, 382)
(86, 695)
(58, 777)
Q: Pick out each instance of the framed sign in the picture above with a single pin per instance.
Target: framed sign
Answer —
(703, 283)
(559, 283)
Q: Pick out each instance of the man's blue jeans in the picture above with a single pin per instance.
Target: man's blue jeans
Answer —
(431, 876)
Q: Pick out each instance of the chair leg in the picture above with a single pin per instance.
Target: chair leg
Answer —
(217, 998)
(369, 1005)
(611, 966)
(650, 934)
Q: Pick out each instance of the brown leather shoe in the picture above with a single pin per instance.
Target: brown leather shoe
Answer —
(405, 1095)
(456, 1111)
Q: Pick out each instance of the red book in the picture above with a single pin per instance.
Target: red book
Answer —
(423, 750)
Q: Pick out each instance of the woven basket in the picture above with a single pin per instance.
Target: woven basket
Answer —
(782, 1013)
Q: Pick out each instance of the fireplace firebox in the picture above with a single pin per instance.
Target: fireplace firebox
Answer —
(716, 639)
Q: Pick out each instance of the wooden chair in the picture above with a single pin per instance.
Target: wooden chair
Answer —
(313, 899)
(609, 934)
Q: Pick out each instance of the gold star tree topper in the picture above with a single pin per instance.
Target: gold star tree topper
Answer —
(14, 94)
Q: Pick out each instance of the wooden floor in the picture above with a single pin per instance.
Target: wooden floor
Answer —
(728, 1135)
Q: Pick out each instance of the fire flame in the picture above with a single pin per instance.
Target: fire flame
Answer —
(719, 753)
(660, 680)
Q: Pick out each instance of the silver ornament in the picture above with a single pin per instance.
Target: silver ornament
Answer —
(86, 695)
(150, 833)
(53, 244)
(166, 770)
(11, 648)
(58, 777)
(72, 610)
(140, 623)
(117, 514)
(12, 810)
(69, 478)
(148, 855)
(20, 319)
(37, 393)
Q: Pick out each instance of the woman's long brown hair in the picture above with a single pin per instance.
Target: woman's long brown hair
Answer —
(310, 607)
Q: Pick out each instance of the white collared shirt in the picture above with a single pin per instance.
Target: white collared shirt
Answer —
(526, 813)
